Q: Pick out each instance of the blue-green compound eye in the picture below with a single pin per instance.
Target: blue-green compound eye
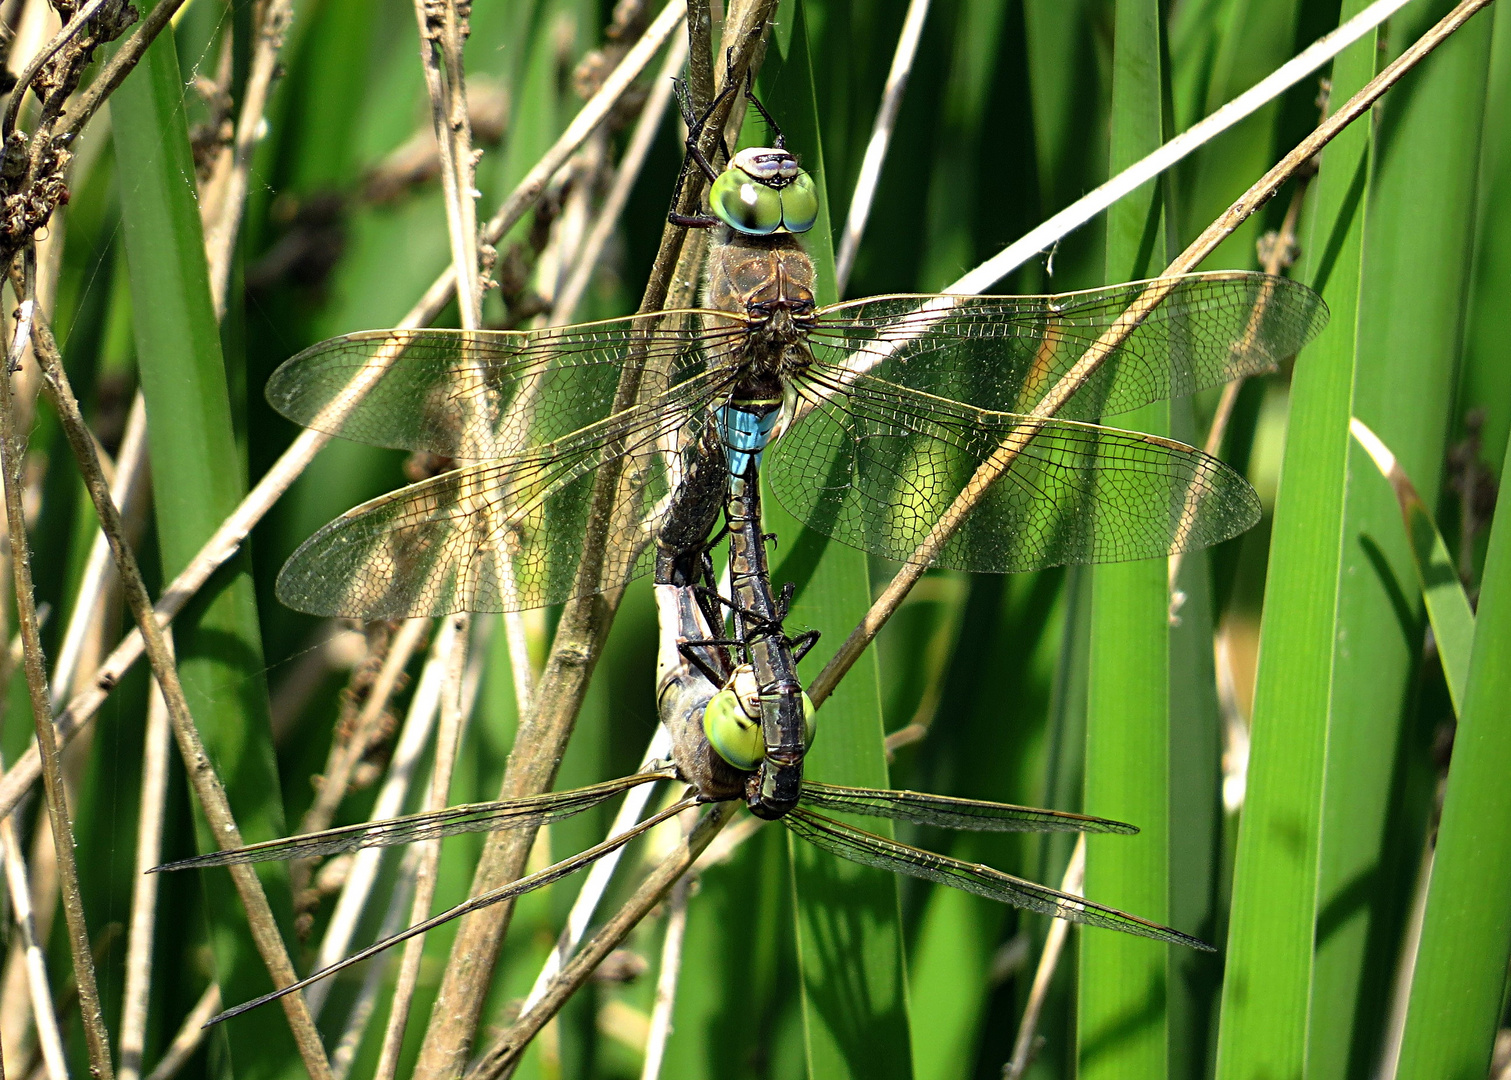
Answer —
(734, 736)
(800, 204)
(744, 204)
(760, 207)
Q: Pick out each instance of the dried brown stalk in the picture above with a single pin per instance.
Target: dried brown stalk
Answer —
(201, 773)
(12, 466)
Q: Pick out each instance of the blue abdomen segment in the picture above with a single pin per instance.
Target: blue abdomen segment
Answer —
(745, 433)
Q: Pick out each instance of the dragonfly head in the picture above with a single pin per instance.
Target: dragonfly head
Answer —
(763, 191)
(732, 721)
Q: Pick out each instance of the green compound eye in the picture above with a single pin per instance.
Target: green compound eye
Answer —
(744, 204)
(800, 204)
(734, 736)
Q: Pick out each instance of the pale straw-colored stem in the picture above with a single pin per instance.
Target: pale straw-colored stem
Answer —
(454, 715)
(127, 487)
(630, 165)
(597, 881)
(424, 706)
(49, 1037)
(1054, 944)
(1078, 213)
(666, 980)
(881, 138)
(189, 1036)
(157, 746)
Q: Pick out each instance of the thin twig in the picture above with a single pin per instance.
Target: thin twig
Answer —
(344, 1056)
(644, 136)
(424, 706)
(666, 979)
(227, 539)
(126, 490)
(1274, 262)
(189, 1036)
(454, 713)
(500, 1059)
(1078, 213)
(203, 779)
(48, 1036)
(597, 882)
(34, 67)
(881, 137)
(13, 470)
(1257, 195)
(336, 778)
(220, 235)
(120, 65)
(1024, 1046)
(156, 747)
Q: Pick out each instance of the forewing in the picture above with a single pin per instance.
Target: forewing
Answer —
(869, 849)
(949, 813)
(503, 535)
(1005, 353)
(473, 817)
(879, 467)
(489, 393)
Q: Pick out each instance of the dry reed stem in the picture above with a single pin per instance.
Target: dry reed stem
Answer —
(503, 1056)
(12, 467)
(454, 713)
(666, 979)
(156, 746)
(34, 959)
(881, 136)
(203, 779)
(1000, 461)
(189, 1036)
(1024, 1046)
(344, 758)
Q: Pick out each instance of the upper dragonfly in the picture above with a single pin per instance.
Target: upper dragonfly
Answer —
(881, 414)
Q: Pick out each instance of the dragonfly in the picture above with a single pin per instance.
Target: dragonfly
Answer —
(959, 425)
(701, 690)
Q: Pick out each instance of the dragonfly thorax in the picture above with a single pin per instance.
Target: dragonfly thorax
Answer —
(769, 281)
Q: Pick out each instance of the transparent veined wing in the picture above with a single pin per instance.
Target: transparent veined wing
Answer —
(869, 849)
(433, 825)
(881, 467)
(947, 812)
(490, 393)
(503, 535)
(1005, 353)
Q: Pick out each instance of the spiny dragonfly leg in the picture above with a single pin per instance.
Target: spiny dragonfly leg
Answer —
(689, 651)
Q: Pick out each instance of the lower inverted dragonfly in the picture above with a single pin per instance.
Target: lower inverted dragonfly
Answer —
(702, 690)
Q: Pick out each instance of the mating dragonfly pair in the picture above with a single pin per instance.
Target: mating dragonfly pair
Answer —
(956, 429)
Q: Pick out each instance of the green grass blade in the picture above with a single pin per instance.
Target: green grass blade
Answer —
(1447, 603)
(1268, 980)
(1377, 791)
(849, 936)
(1458, 985)
(1121, 1028)
(198, 478)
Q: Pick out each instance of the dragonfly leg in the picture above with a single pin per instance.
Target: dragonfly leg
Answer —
(801, 644)
(688, 649)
